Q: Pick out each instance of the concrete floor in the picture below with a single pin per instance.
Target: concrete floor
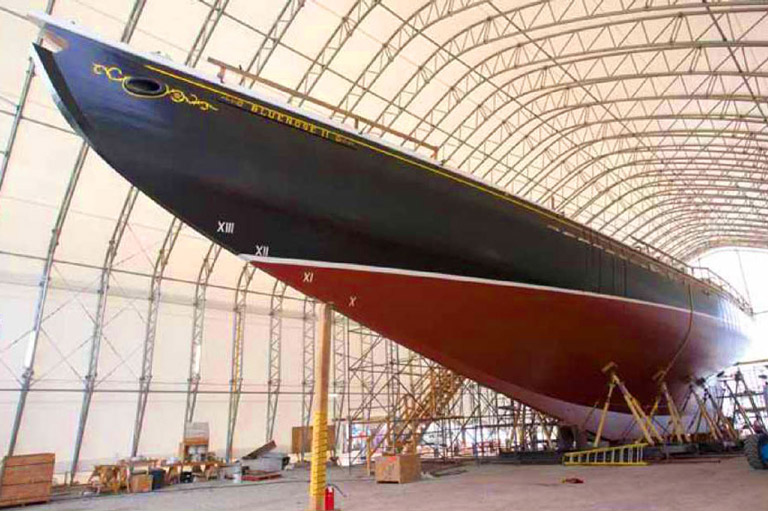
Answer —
(729, 484)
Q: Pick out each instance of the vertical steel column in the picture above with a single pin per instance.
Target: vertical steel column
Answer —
(106, 274)
(45, 278)
(339, 372)
(236, 380)
(63, 210)
(391, 391)
(198, 322)
(209, 261)
(98, 328)
(161, 262)
(274, 355)
(307, 368)
(368, 378)
(26, 86)
(133, 20)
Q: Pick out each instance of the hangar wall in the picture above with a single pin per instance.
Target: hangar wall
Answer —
(51, 415)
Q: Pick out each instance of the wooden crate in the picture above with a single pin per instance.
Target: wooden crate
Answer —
(296, 446)
(400, 468)
(141, 483)
(185, 444)
(26, 479)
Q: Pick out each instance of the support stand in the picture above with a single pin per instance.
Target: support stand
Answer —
(318, 475)
(678, 430)
(643, 421)
(720, 428)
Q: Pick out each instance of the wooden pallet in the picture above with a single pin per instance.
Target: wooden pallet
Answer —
(26, 479)
(261, 476)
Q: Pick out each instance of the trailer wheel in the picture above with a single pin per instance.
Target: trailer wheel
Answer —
(756, 451)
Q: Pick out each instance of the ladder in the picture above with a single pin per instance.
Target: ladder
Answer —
(623, 455)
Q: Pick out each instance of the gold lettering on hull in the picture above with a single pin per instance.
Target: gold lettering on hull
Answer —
(283, 118)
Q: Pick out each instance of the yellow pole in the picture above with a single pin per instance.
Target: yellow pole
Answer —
(674, 413)
(637, 411)
(604, 413)
(317, 481)
(713, 429)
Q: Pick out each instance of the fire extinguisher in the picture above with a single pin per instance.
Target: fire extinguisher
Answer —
(330, 497)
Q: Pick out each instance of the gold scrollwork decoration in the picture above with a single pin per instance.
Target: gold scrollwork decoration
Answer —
(179, 96)
(115, 74)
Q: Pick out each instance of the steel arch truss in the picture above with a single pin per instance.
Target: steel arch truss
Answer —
(566, 104)
(274, 354)
(238, 339)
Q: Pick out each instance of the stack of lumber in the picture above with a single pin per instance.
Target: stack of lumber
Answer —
(26, 479)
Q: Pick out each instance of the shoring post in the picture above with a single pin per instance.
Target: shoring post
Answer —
(674, 414)
(604, 414)
(642, 420)
(318, 470)
(703, 413)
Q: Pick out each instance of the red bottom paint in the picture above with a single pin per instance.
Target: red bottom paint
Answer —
(543, 347)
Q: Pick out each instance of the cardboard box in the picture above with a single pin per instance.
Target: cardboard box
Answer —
(141, 483)
(400, 468)
(26, 479)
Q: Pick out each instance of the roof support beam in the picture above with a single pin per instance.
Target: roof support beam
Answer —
(238, 339)
(696, 236)
(699, 247)
(198, 324)
(274, 355)
(339, 366)
(675, 170)
(45, 280)
(356, 14)
(99, 322)
(272, 39)
(684, 223)
(18, 115)
(148, 351)
(307, 369)
(664, 198)
(669, 212)
(53, 244)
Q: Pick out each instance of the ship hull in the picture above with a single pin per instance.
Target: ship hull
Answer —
(545, 347)
(500, 291)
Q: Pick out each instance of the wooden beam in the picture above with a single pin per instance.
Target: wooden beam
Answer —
(317, 481)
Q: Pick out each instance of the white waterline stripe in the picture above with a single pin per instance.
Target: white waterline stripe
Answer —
(459, 278)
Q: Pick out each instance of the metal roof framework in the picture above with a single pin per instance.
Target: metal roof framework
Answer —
(645, 120)
(599, 111)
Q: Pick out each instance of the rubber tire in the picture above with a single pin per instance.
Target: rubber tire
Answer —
(752, 447)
